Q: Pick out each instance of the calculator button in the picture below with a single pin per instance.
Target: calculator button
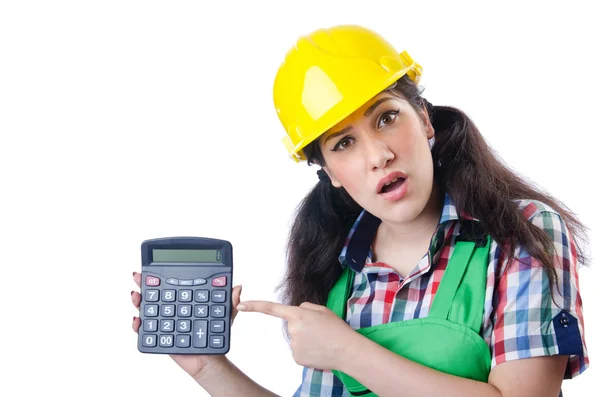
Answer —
(184, 325)
(217, 311)
(150, 325)
(149, 340)
(201, 311)
(152, 281)
(167, 325)
(201, 295)
(219, 281)
(217, 296)
(199, 333)
(183, 341)
(167, 310)
(165, 341)
(168, 295)
(216, 341)
(186, 282)
(185, 295)
(152, 295)
(199, 281)
(217, 326)
(150, 310)
(184, 310)
(172, 281)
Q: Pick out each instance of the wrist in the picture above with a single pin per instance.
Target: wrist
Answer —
(214, 365)
(348, 352)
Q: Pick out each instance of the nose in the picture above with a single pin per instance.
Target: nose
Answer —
(378, 153)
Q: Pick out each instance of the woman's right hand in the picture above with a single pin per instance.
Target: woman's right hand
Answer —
(192, 364)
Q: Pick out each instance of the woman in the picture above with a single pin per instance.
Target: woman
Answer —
(419, 264)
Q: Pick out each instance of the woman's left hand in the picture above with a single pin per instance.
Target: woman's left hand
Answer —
(319, 338)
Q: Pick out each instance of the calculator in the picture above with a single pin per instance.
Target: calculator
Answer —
(186, 296)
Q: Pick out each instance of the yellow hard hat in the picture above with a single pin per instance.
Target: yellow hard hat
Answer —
(329, 74)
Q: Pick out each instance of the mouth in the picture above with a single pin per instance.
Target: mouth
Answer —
(391, 182)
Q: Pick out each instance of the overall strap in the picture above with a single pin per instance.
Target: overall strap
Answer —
(461, 292)
(338, 295)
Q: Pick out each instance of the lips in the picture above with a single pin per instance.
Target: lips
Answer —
(392, 177)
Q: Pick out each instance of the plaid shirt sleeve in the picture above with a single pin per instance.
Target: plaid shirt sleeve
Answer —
(528, 321)
(316, 382)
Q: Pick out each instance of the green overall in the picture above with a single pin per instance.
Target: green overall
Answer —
(446, 340)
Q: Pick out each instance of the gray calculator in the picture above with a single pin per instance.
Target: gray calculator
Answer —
(186, 296)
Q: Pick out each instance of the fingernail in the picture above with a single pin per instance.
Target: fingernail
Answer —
(241, 307)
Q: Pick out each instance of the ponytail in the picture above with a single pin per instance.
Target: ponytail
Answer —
(322, 221)
(482, 185)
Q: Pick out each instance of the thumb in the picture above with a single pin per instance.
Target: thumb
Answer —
(313, 306)
(236, 294)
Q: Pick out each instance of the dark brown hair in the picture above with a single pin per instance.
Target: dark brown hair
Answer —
(464, 166)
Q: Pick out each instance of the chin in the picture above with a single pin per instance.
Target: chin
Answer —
(404, 210)
(400, 217)
(401, 211)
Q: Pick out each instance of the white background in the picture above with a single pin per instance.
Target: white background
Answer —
(127, 120)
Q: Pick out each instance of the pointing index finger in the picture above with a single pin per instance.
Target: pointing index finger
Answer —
(270, 308)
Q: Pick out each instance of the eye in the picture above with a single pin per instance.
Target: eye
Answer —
(387, 118)
(343, 144)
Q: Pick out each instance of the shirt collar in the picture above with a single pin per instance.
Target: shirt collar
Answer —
(357, 247)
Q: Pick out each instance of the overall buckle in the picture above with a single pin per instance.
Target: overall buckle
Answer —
(472, 231)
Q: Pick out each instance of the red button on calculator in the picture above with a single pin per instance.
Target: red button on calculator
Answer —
(152, 281)
(219, 281)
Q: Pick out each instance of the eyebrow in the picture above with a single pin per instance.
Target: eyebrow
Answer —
(374, 106)
(370, 110)
(341, 132)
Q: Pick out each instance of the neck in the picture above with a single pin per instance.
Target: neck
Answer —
(423, 226)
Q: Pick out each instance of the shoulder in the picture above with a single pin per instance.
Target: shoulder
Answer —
(548, 219)
(562, 249)
(535, 208)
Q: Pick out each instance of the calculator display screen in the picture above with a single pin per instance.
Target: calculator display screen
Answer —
(187, 255)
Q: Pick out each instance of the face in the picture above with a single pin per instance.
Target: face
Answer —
(385, 142)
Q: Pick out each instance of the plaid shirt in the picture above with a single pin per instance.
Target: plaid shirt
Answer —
(520, 318)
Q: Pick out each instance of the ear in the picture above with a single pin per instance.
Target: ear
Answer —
(334, 180)
(429, 131)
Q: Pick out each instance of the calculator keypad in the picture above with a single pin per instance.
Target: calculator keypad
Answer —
(185, 316)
